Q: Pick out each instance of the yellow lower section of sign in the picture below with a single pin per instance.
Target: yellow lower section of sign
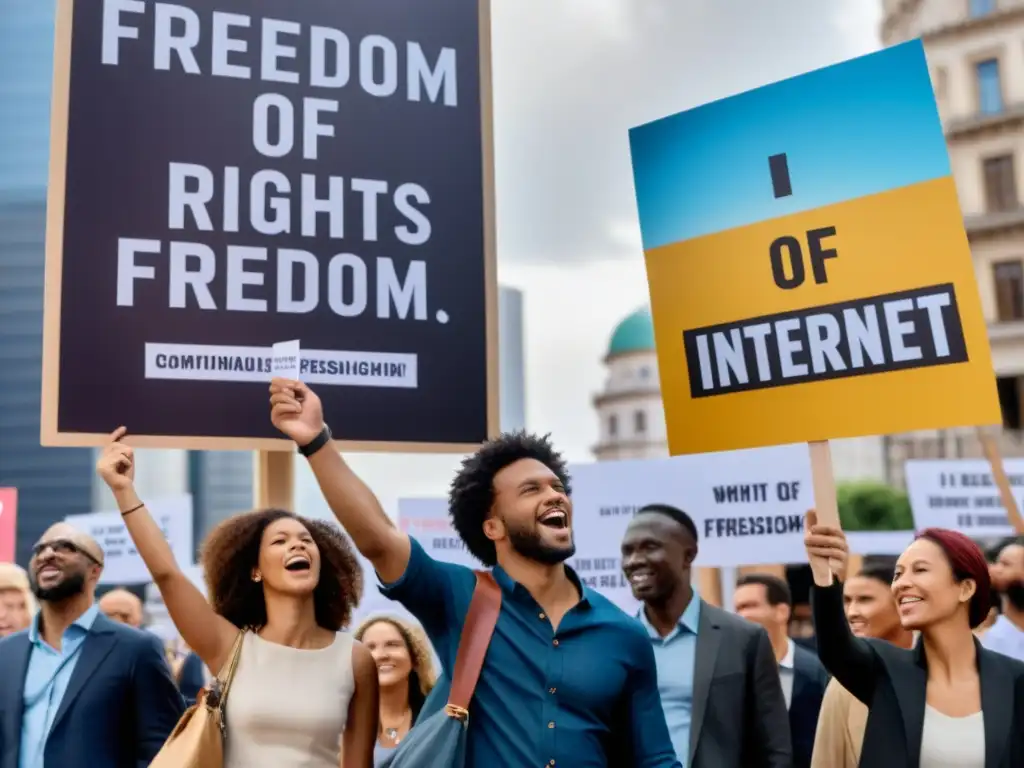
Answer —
(860, 318)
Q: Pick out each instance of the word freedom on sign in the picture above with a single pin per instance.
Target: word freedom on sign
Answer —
(267, 202)
(910, 329)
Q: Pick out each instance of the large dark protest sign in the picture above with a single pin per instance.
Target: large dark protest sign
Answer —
(226, 177)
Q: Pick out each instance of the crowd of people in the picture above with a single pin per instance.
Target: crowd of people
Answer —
(896, 674)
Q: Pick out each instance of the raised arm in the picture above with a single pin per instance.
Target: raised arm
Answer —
(208, 634)
(297, 412)
(847, 658)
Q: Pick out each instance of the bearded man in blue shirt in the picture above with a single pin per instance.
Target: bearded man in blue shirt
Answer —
(569, 679)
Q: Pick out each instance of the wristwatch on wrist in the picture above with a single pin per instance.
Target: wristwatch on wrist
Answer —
(317, 443)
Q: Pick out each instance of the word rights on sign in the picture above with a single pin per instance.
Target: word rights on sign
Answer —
(809, 273)
(307, 171)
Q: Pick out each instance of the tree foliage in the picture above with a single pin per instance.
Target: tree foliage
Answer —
(873, 506)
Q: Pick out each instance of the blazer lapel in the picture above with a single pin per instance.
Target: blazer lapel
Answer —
(910, 682)
(704, 670)
(97, 645)
(997, 704)
(14, 663)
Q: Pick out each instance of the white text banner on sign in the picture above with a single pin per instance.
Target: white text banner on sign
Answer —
(962, 494)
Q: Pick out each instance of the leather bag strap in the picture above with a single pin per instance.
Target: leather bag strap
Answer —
(229, 675)
(477, 630)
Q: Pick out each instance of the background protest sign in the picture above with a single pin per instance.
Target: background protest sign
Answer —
(809, 273)
(121, 561)
(962, 494)
(748, 507)
(8, 524)
(226, 179)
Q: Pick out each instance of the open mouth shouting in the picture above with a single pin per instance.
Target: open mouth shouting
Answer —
(556, 518)
(298, 563)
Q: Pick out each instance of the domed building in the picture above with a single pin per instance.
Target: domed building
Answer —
(632, 420)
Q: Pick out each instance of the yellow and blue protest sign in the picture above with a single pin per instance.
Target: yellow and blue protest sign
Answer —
(809, 273)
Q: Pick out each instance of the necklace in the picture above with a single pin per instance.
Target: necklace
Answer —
(393, 734)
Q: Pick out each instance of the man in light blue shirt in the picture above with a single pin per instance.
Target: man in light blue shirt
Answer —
(79, 690)
(717, 674)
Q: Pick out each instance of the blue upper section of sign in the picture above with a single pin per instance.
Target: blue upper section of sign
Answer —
(852, 129)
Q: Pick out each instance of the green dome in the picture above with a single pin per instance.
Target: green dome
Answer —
(634, 334)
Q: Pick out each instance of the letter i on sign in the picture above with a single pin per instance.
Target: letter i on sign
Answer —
(821, 454)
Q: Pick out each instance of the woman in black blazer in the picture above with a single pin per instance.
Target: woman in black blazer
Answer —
(947, 702)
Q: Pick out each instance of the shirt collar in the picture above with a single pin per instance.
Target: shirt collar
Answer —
(84, 622)
(508, 584)
(787, 660)
(688, 622)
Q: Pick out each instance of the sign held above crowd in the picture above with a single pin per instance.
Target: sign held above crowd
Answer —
(222, 179)
(809, 273)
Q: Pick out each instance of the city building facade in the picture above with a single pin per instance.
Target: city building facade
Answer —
(975, 51)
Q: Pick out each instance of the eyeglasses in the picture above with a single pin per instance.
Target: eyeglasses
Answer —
(62, 547)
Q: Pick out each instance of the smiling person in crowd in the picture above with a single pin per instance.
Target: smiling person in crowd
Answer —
(568, 679)
(405, 673)
(17, 606)
(872, 612)
(947, 702)
(717, 675)
(303, 688)
(78, 690)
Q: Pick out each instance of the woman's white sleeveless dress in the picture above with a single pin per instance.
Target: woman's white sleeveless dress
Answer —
(287, 707)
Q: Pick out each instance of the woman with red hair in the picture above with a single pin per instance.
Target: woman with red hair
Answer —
(947, 702)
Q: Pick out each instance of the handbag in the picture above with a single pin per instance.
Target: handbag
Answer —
(439, 741)
(197, 741)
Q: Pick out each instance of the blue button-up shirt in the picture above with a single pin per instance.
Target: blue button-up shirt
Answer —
(49, 672)
(572, 698)
(675, 655)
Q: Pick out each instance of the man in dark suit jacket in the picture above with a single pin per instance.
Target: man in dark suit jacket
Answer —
(80, 690)
(718, 679)
(766, 600)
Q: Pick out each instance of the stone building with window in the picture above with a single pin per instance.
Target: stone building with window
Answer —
(975, 51)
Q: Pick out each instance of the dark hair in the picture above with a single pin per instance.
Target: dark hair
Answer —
(472, 491)
(671, 512)
(967, 561)
(232, 550)
(883, 572)
(1009, 541)
(776, 590)
(422, 677)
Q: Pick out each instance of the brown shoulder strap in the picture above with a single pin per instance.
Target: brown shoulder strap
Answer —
(229, 674)
(476, 636)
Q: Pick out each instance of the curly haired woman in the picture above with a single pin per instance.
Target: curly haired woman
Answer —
(302, 688)
(405, 674)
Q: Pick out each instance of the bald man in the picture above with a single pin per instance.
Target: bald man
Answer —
(121, 605)
(80, 690)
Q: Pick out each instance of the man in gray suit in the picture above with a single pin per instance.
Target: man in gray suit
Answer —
(717, 674)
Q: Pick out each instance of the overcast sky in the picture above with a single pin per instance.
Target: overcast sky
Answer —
(570, 78)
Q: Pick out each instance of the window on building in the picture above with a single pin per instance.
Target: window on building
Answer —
(1009, 389)
(939, 80)
(982, 7)
(1009, 280)
(990, 90)
(613, 426)
(1000, 183)
(639, 422)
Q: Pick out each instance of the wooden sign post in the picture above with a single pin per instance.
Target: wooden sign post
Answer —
(990, 447)
(809, 273)
(274, 479)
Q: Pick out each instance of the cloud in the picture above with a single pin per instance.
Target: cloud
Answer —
(571, 77)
